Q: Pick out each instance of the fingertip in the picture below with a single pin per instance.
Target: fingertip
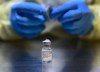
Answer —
(40, 18)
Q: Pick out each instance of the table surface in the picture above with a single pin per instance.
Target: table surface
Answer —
(66, 57)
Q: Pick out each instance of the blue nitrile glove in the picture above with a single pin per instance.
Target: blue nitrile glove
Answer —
(28, 19)
(75, 17)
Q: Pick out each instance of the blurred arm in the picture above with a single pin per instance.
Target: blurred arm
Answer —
(6, 30)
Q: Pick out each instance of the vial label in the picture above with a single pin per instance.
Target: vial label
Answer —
(47, 56)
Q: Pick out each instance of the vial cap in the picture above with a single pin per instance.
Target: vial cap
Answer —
(47, 42)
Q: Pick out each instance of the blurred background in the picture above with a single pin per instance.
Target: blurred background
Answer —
(69, 55)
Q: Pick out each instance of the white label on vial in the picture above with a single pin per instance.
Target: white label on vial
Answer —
(47, 55)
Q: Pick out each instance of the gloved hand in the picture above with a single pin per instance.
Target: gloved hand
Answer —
(27, 19)
(75, 17)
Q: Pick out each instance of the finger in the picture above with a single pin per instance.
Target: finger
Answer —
(17, 26)
(82, 24)
(27, 30)
(80, 27)
(29, 7)
(74, 27)
(34, 29)
(72, 15)
(60, 10)
(30, 36)
(35, 21)
(87, 27)
(71, 21)
(27, 33)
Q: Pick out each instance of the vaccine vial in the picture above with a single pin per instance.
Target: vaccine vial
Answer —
(46, 51)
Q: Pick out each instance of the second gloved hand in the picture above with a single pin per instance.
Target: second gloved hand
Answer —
(27, 19)
(75, 17)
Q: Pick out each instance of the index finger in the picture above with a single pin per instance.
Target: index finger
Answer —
(29, 7)
(60, 10)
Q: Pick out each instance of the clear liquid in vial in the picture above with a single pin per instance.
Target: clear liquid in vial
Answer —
(46, 51)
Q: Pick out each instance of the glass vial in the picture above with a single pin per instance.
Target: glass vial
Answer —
(46, 51)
